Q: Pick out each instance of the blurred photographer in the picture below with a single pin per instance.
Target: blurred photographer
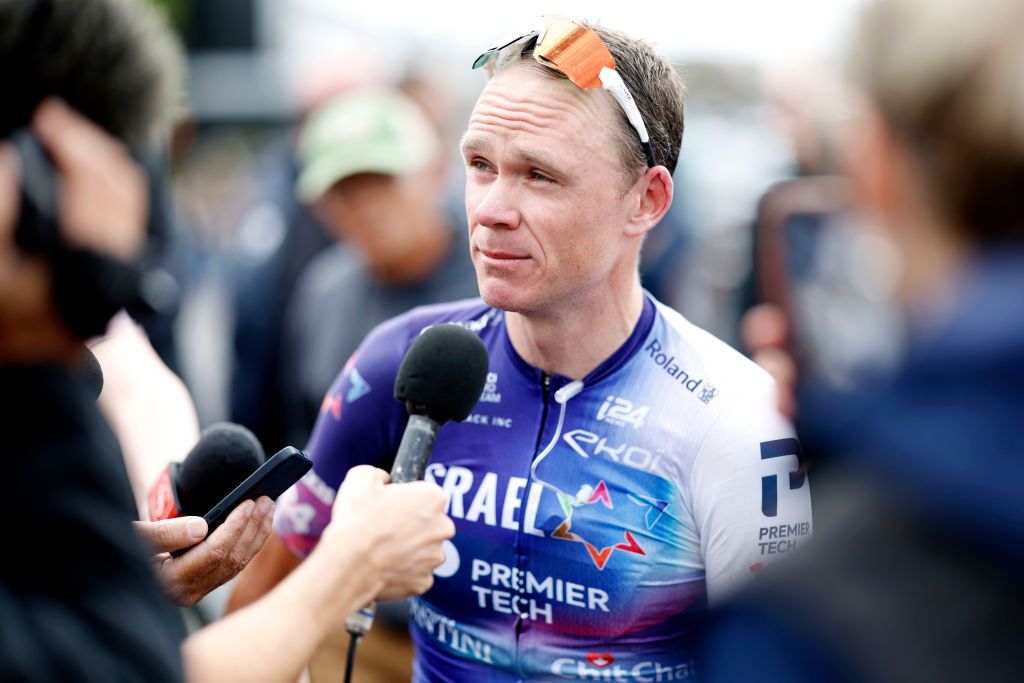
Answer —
(914, 573)
(78, 598)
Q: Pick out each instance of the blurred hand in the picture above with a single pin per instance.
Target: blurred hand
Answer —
(102, 198)
(212, 562)
(765, 333)
(103, 193)
(403, 525)
(30, 328)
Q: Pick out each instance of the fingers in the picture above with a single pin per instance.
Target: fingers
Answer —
(172, 534)
(227, 552)
(765, 332)
(255, 534)
(357, 491)
(202, 560)
(103, 193)
(9, 196)
(71, 139)
(365, 477)
(765, 326)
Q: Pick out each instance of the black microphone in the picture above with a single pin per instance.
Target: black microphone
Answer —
(90, 372)
(223, 457)
(440, 379)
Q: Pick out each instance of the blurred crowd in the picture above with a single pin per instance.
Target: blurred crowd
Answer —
(298, 217)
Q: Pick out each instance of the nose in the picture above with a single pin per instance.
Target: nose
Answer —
(497, 206)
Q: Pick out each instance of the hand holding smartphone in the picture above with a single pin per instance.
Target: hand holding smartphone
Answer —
(272, 479)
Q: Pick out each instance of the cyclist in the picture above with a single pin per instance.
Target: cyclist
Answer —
(622, 466)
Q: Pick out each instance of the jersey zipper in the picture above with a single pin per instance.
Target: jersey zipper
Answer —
(546, 394)
(546, 384)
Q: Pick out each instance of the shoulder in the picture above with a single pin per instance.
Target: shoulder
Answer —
(473, 314)
(716, 374)
(381, 352)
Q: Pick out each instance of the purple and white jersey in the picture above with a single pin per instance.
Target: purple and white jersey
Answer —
(596, 518)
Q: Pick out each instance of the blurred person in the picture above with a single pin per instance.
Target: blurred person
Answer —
(79, 600)
(261, 293)
(914, 574)
(371, 167)
(83, 603)
(623, 467)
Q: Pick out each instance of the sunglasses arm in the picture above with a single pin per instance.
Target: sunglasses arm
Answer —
(612, 82)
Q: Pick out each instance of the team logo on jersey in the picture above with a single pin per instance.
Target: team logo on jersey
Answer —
(357, 387)
(770, 484)
(331, 404)
(490, 393)
(576, 506)
(620, 412)
(586, 444)
(667, 361)
(603, 667)
(600, 660)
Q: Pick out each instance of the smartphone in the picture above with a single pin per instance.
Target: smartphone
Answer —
(826, 270)
(272, 479)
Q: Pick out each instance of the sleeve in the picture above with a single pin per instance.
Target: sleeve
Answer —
(360, 422)
(751, 497)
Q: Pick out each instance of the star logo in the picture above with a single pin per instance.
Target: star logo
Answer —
(332, 403)
(655, 508)
(587, 497)
(358, 387)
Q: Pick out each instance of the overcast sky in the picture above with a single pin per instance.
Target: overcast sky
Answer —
(760, 31)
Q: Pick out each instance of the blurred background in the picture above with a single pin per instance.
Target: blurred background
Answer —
(760, 212)
(762, 108)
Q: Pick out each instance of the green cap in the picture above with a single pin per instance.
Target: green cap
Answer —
(367, 131)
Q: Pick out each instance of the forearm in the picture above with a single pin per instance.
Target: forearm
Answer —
(146, 405)
(272, 564)
(275, 637)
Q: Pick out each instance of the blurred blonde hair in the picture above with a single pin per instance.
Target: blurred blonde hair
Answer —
(948, 76)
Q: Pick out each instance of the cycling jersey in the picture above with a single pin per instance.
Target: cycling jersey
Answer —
(594, 518)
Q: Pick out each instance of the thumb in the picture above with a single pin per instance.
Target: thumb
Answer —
(366, 477)
(172, 534)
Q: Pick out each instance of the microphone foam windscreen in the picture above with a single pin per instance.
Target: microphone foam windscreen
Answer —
(91, 373)
(224, 456)
(444, 371)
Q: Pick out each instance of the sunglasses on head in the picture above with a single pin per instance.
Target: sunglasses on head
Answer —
(579, 54)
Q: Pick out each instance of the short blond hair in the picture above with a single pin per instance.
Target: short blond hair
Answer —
(658, 91)
(948, 77)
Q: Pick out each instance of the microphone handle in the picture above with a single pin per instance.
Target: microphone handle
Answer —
(410, 464)
(414, 451)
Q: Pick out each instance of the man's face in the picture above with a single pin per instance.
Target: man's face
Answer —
(377, 214)
(544, 196)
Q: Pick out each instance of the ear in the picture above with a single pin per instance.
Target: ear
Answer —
(651, 197)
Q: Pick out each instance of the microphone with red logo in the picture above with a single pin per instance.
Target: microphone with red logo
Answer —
(224, 456)
(440, 379)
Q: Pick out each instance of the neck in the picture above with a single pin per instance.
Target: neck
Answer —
(580, 336)
(932, 261)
